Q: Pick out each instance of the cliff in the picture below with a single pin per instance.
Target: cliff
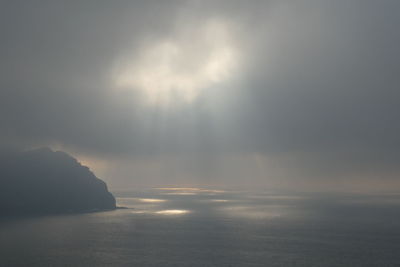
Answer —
(43, 182)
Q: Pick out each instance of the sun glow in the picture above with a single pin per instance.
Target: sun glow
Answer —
(175, 70)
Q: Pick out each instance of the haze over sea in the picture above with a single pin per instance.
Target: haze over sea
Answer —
(205, 227)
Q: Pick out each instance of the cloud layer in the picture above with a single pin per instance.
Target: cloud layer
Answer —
(275, 93)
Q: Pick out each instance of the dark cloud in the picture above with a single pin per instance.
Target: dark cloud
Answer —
(331, 89)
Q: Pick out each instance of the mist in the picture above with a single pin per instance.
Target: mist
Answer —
(290, 95)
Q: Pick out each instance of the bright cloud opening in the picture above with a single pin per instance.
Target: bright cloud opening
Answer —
(175, 70)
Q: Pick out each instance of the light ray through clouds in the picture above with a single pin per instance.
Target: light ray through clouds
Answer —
(182, 80)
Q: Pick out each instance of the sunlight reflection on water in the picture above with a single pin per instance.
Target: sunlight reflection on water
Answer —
(180, 201)
(151, 200)
(162, 212)
(145, 200)
(189, 191)
(172, 212)
(181, 194)
(251, 212)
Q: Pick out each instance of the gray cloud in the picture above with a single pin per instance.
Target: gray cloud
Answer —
(312, 100)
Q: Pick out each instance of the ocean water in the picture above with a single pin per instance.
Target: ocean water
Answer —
(199, 227)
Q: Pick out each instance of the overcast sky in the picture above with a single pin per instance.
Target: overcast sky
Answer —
(275, 94)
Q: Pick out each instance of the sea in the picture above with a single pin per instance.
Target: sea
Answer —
(212, 227)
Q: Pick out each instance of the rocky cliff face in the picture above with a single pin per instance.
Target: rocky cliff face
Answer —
(42, 182)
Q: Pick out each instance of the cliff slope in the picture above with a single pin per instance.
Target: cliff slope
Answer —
(41, 181)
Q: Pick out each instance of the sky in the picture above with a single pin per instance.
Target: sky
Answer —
(291, 95)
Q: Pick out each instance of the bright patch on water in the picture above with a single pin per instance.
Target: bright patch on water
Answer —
(151, 200)
(190, 191)
(181, 194)
(172, 212)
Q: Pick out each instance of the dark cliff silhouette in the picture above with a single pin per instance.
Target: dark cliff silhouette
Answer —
(41, 181)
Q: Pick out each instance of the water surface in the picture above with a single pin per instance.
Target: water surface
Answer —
(201, 227)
